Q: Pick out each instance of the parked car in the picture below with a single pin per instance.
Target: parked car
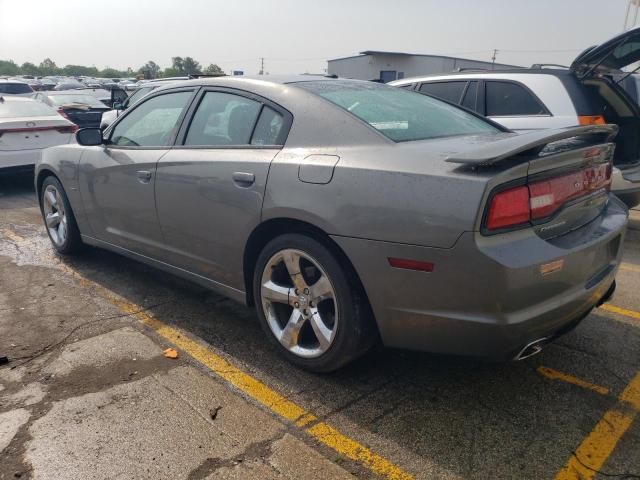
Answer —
(99, 93)
(120, 100)
(14, 87)
(77, 106)
(68, 85)
(590, 91)
(26, 128)
(347, 211)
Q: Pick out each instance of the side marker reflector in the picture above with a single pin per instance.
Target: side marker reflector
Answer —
(407, 264)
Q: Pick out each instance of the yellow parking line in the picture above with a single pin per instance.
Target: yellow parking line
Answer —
(594, 450)
(630, 267)
(556, 375)
(257, 390)
(621, 311)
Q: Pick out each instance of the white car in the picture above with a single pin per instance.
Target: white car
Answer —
(26, 128)
(588, 92)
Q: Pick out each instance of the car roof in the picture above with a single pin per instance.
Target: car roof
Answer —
(14, 98)
(12, 80)
(479, 73)
(248, 80)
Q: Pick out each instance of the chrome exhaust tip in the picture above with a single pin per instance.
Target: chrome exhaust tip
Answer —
(531, 349)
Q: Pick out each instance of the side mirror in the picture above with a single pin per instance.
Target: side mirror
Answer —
(89, 137)
(118, 106)
(118, 95)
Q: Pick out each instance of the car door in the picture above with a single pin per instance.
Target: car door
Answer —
(117, 179)
(209, 189)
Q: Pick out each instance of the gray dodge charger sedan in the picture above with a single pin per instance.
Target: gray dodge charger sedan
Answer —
(348, 212)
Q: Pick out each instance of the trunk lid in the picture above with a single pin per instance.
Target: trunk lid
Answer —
(564, 186)
(612, 56)
(34, 132)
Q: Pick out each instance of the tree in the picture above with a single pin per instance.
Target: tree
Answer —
(171, 72)
(150, 70)
(28, 68)
(190, 66)
(78, 70)
(178, 65)
(213, 69)
(48, 67)
(9, 67)
(112, 73)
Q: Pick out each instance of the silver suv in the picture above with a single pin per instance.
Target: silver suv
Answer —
(588, 92)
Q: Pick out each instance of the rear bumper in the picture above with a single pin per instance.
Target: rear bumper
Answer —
(626, 185)
(486, 295)
(19, 158)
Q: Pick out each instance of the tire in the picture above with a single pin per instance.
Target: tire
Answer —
(321, 328)
(63, 233)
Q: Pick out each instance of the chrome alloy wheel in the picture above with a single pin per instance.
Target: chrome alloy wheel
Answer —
(54, 215)
(299, 303)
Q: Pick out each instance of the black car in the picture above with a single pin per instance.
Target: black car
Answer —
(80, 107)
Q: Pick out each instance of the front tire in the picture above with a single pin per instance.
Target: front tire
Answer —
(308, 306)
(58, 217)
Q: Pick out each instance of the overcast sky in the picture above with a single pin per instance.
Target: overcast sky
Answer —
(296, 36)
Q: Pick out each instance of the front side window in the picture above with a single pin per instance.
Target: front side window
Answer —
(138, 94)
(510, 99)
(399, 114)
(153, 123)
(449, 91)
(223, 119)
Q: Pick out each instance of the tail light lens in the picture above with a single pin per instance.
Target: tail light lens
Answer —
(591, 120)
(68, 129)
(62, 113)
(538, 200)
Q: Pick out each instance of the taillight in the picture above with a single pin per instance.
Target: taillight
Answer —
(508, 208)
(591, 120)
(62, 113)
(518, 206)
(68, 129)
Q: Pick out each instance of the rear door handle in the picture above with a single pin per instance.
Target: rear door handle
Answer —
(244, 179)
(144, 176)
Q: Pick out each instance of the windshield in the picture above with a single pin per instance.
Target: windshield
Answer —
(31, 108)
(15, 88)
(138, 94)
(82, 99)
(399, 114)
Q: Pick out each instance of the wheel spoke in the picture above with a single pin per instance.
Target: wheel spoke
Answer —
(292, 262)
(62, 231)
(51, 198)
(323, 334)
(321, 290)
(273, 292)
(291, 331)
(53, 219)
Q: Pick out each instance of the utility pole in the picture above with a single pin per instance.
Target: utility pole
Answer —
(261, 66)
(493, 58)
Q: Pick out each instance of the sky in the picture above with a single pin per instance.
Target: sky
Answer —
(298, 36)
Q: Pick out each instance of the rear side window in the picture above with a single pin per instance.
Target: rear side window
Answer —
(449, 91)
(510, 99)
(268, 128)
(223, 119)
(398, 114)
(15, 88)
(470, 96)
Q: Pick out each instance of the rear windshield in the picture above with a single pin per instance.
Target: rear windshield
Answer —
(30, 108)
(399, 114)
(79, 99)
(15, 88)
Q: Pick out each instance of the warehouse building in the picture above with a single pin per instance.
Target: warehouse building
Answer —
(388, 66)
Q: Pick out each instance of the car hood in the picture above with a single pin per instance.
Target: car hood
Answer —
(611, 56)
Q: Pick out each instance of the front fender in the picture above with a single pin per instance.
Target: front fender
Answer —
(63, 161)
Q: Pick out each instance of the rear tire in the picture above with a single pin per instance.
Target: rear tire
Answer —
(58, 217)
(308, 306)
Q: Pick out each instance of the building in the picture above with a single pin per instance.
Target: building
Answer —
(388, 66)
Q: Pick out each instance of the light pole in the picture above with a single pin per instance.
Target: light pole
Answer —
(635, 5)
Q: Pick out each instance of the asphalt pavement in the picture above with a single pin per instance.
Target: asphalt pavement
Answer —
(89, 393)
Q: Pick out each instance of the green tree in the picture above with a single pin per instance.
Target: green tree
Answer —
(190, 66)
(28, 68)
(77, 70)
(112, 73)
(9, 67)
(150, 70)
(213, 69)
(177, 63)
(48, 67)
(171, 72)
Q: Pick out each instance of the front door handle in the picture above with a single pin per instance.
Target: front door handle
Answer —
(244, 179)
(144, 176)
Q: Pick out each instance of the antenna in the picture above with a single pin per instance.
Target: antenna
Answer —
(261, 66)
(493, 58)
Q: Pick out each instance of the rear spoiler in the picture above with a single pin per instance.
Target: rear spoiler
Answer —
(495, 152)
